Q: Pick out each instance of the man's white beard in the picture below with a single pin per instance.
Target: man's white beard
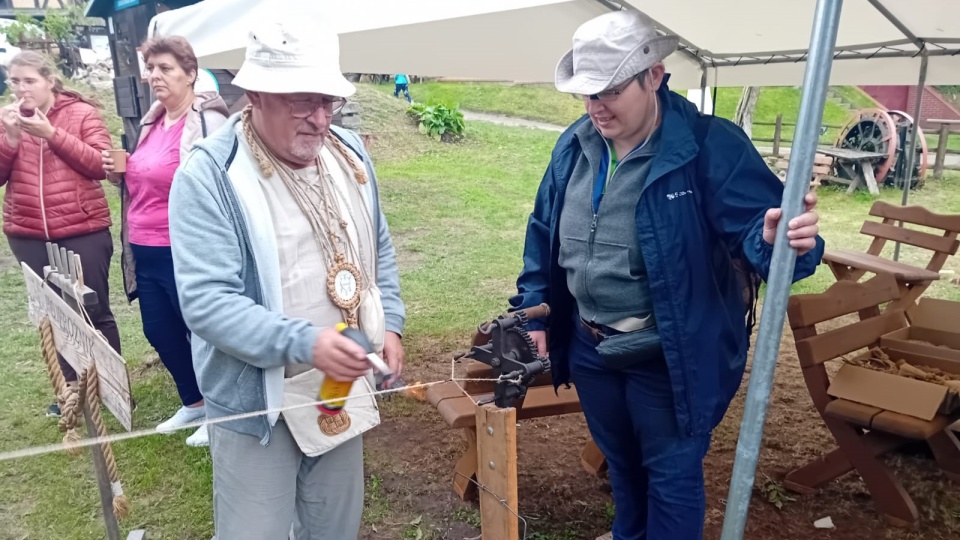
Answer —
(306, 150)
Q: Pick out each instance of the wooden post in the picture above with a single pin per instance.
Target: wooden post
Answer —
(941, 151)
(66, 272)
(778, 128)
(103, 478)
(497, 473)
(64, 266)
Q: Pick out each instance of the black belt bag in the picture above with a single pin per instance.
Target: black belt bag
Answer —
(620, 351)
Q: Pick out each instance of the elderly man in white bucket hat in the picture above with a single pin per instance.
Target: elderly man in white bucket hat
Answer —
(278, 238)
(649, 234)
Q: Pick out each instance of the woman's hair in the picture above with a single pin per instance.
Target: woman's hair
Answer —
(176, 46)
(45, 68)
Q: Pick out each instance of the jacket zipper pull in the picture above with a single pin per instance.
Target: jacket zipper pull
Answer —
(593, 226)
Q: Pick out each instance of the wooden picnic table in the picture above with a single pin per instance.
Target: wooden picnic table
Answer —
(858, 165)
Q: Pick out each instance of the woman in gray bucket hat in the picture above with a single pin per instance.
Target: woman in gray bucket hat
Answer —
(650, 232)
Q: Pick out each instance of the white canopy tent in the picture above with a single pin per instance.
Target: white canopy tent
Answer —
(733, 43)
(730, 43)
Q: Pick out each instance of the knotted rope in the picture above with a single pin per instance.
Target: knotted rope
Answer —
(71, 410)
(68, 398)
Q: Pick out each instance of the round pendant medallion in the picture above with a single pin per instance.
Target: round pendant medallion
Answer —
(335, 424)
(343, 284)
(346, 285)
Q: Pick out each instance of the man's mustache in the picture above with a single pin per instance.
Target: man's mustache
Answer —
(312, 129)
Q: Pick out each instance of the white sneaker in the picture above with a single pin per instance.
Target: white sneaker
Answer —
(199, 437)
(183, 417)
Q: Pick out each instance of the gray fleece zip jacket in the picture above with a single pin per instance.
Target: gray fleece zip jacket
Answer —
(235, 338)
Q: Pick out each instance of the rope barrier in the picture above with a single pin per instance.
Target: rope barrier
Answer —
(71, 403)
(71, 400)
(104, 439)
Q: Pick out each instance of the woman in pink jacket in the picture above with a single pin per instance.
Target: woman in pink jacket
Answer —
(176, 120)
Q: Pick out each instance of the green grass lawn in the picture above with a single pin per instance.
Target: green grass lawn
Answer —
(539, 102)
(933, 139)
(856, 96)
(457, 214)
(544, 103)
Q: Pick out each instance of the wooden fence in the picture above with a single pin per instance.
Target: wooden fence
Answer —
(942, 137)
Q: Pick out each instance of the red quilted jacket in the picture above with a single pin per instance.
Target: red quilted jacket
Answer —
(53, 186)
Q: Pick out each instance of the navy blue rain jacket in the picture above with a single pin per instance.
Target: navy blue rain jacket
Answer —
(702, 206)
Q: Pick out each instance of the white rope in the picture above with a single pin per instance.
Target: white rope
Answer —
(51, 448)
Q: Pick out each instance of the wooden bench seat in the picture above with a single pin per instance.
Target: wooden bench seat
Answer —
(879, 265)
(456, 401)
(902, 425)
(459, 410)
(893, 227)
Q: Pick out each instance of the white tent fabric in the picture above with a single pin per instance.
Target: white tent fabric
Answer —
(506, 40)
(764, 42)
(737, 42)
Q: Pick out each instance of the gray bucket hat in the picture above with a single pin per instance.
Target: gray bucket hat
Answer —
(609, 49)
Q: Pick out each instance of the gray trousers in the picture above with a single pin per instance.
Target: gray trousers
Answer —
(260, 491)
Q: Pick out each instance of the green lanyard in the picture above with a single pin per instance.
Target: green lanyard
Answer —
(612, 167)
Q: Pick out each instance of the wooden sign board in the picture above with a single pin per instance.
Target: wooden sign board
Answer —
(81, 346)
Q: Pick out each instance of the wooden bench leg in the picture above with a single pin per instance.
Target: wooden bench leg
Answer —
(593, 460)
(465, 471)
(946, 450)
(892, 501)
(910, 293)
(807, 479)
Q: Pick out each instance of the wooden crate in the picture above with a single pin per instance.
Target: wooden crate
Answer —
(822, 166)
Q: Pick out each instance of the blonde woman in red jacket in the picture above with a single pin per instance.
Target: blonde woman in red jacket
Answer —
(50, 162)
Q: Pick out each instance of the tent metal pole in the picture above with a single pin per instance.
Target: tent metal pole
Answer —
(816, 78)
(896, 22)
(703, 89)
(912, 145)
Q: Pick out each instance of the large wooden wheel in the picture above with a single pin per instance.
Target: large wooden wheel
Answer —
(904, 122)
(871, 130)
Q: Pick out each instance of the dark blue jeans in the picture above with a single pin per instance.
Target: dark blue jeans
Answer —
(403, 88)
(656, 473)
(163, 323)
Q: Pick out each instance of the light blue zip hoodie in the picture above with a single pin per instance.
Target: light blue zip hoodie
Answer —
(237, 339)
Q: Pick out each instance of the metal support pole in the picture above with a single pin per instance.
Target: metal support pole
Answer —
(703, 90)
(816, 78)
(912, 145)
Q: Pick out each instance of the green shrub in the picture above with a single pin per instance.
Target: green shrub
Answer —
(438, 120)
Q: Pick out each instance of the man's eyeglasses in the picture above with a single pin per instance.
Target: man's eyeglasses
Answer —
(306, 109)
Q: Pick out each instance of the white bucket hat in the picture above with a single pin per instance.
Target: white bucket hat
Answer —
(609, 49)
(287, 58)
